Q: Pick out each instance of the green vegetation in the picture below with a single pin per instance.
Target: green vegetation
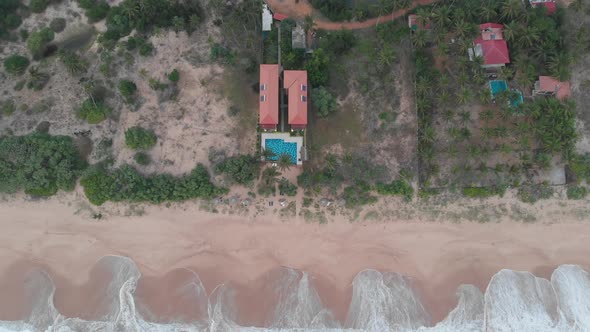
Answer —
(484, 192)
(142, 158)
(138, 138)
(324, 102)
(8, 107)
(318, 68)
(576, 192)
(16, 64)
(38, 6)
(58, 24)
(338, 10)
(37, 79)
(9, 19)
(554, 124)
(127, 89)
(95, 10)
(174, 76)
(242, 169)
(287, 187)
(534, 192)
(127, 184)
(358, 195)
(396, 187)
(144, 15)
(221, 54)
(267, 185)
(38, 163)
(94, 112)
(73, 62)
(38, 40)
(580, 167)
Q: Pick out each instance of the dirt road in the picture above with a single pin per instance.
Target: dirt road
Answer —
(303, 8)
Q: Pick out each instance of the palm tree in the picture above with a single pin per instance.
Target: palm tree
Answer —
(505, 73)
(487, 132)
(484, 96)
(577, 5)
(284, 162)
(444, 98)
(526, 77)
(464, 96)
(529, 37)
(464, 117)
(443, 81)
(510, 30)
(486, 115)
(267, 154)
(427, 134)
(420, 39)
(448, 115)
(488, 12)
(559, 66)
(130, 9)
(423, 15)
(423, 85)
(511, 9)
(386, 56)
(462, 28)
(442, 16)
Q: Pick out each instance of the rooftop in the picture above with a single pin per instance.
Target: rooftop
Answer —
(269, 96)
(549, 84)
(295, 81)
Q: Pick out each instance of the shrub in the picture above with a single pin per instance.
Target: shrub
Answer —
(127, 88)
(575, 192)
(24, 34)
(8, 107)
(139, 138)
(221, 54)
(396, 187)
(478, 192)
(580, 167)
(241, 169)
(58, 24)
(16, 64)
(287, 187)
(93, 112)
(358, 195)
(174, 76)
(146, 49)
(324, 102)
(38, 163)
(267, 185)
(533, 193)
(338, 42)
(12, 21)
(38, 6)
(142, 158)
(38, 40)
(37, 79)
(94, 10)
(318, 68)
(74, 63)
(126, 184)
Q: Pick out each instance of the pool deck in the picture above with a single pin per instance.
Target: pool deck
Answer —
(288, 139)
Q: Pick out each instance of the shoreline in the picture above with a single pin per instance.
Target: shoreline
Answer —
(436, 257)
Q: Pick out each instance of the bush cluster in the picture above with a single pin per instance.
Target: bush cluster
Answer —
(38, 163)
(287, 187)
(575, 192)
(38, 6)
(139, 138)
(142, 158)
(16, 64)
(38, 40)
(174, 76)
(95, 10)
(324, 102)
(9, 19)
(127, 184)
(94, 111)
(358, 195)
(58, 24)
(396, 187)
(127, 88)
(242, 169)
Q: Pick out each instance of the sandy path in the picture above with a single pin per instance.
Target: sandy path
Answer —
(437, 256)
(303, 8)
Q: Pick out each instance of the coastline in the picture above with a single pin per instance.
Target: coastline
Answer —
(435, 257)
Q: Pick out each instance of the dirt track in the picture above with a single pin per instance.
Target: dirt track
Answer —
(304, 8)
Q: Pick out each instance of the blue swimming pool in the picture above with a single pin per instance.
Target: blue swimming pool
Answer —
(280, 147)
(497, 86)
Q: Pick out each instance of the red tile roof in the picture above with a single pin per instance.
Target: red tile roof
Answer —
(295, 81)
(550, 5)
(549, 84)
(490, 26)
(495, 52)
(269, 97)
(279, 16)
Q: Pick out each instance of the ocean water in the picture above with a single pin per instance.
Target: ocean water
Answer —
(513, 301)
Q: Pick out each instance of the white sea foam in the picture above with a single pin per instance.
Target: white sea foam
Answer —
(513, 301)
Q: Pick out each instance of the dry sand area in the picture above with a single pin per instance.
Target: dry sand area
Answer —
(436, 256)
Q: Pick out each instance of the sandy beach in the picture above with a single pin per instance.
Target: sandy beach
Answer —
(437, 257)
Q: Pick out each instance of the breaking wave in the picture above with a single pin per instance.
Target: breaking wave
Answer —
(381, 301)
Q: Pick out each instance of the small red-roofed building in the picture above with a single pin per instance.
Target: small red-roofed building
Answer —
(551, 5)
(269, 97)
(295, 84)
(549, 86)
(415, 23)
(491, 46)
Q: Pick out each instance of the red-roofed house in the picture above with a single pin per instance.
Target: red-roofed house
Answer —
(280, 17)
(549, 86)
(551, 5)
(295, 82)
(269, 97)
(491, 46)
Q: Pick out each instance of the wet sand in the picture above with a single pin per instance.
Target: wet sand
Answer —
(437, 257)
